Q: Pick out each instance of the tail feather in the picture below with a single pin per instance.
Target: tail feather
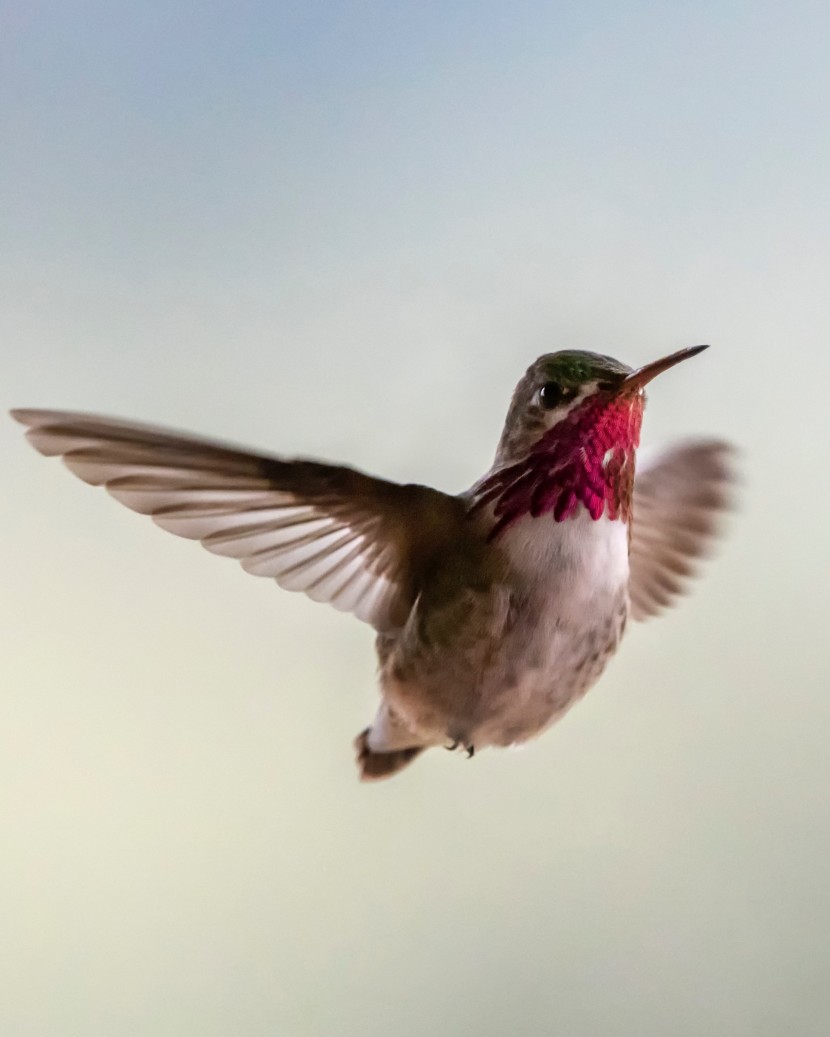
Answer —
(374, 766)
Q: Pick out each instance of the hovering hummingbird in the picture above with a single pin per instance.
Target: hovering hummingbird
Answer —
(496, 609)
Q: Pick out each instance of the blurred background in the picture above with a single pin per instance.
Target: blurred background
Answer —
(343, 230)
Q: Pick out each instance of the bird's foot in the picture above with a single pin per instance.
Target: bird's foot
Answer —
(456, 744)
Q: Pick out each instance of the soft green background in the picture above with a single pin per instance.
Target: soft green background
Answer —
(344, 229)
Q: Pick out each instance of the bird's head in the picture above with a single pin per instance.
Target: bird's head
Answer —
(570, 437)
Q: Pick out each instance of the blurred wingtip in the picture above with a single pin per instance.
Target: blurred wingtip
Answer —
(684, 497)
(32, 417)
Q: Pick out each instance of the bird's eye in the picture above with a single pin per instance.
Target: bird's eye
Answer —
(551, 395)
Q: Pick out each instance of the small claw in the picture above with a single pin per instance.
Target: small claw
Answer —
(471, 751)
(452, 746)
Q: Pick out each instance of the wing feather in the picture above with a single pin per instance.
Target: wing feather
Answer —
(332, 532)
(679, 501)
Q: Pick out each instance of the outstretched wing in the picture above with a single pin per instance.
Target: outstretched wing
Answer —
(679, 499)
(336, 534)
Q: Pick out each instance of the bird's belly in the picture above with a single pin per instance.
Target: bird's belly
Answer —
(523, 651)
(577, 577)
(538, 681)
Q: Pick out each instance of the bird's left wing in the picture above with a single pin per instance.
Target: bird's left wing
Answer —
(338, 535)
(678, 503)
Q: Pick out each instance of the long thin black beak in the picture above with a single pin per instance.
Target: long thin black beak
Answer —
(637, 379)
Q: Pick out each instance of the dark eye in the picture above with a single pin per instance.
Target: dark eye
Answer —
(551, 395)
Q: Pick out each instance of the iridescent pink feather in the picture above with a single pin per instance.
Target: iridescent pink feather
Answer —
(587, 458)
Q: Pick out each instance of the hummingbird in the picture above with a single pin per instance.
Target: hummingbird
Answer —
(495, 609)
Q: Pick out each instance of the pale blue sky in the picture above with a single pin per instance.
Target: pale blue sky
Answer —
(345, 230)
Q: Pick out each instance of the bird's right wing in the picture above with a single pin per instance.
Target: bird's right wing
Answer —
(679, 499)
(338, 535)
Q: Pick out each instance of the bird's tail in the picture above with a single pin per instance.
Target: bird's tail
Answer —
(374, 766)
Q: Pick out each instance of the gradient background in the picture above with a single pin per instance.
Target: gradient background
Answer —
(344, 229)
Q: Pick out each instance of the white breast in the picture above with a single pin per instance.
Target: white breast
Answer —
(574, 563)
